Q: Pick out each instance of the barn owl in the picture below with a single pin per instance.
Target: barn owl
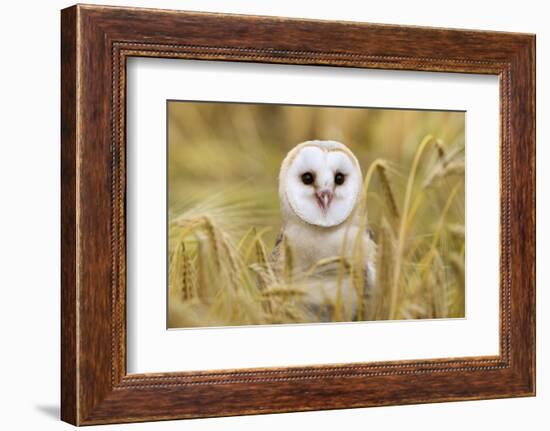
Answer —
(320, 184)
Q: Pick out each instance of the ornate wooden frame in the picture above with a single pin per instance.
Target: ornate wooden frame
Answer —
(95, 43)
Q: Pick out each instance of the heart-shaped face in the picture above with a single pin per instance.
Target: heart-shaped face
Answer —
(321, 181)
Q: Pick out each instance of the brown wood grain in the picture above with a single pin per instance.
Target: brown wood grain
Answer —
(95, 42)
(68, 217)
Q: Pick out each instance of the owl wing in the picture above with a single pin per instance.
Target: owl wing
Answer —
(369, 277)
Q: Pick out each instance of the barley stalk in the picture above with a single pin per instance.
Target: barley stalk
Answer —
(403, 226)
(386, 186)
(384, 270)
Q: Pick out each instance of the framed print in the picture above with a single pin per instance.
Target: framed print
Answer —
(279, 215)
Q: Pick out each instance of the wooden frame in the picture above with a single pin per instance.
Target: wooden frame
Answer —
(95, 43)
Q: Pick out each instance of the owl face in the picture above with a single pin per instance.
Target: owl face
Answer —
(320, 182)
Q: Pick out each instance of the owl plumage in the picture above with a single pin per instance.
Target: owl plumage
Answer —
(320, 184)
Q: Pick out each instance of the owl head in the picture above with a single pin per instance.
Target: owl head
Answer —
(319, 183)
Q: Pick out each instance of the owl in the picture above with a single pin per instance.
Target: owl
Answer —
(320, 184)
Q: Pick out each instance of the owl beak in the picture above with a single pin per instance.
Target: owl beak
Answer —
(324, 198)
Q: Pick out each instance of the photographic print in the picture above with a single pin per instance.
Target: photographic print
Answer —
(290, 214)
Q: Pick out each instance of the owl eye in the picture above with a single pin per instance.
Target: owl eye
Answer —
(308, 178)
(339, 178)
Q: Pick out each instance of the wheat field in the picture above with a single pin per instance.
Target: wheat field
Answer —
(223, 213)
